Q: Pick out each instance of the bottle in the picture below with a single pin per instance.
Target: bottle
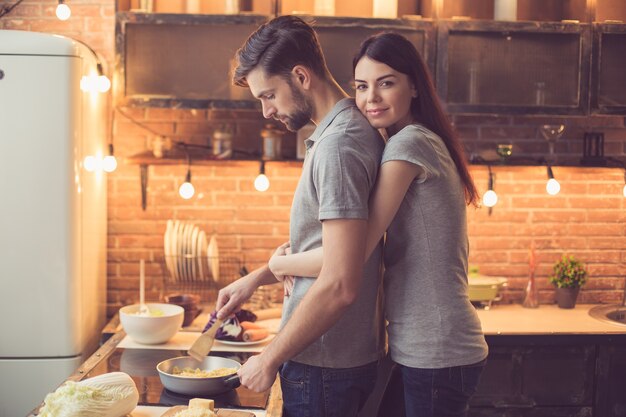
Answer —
(222, 142)
(531, 299)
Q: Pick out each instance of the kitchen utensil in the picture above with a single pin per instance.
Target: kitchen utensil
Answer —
(194, 385)
(152, 329)
(221, 412)
(202, 346)
(143, 308)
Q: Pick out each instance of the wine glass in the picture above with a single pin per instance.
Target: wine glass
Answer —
(504, 151)
(552, 133)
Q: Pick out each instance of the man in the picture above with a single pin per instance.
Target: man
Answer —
(332, 335)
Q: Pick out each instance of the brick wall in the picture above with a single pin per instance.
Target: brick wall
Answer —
(587, 219)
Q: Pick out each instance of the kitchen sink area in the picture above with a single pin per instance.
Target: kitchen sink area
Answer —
(612, 313)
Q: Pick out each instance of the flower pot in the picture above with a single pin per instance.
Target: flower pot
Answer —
(566, 297)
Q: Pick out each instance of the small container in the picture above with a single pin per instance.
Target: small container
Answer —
(222, 143)
(272, 143)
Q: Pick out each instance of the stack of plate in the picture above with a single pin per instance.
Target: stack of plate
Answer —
(188, 257)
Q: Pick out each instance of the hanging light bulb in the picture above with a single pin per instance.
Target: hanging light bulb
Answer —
(490, 198)
(624, 191)
(109, 163)
(63, 11)
(90, 163)
(261, 182)
(103, 84)
(552, 186)
(186, 189)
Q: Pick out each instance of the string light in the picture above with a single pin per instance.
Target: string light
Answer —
(63, 11)
(261, 182)
(109, 163)
(490, 198)
(186, 189)
(552, 186)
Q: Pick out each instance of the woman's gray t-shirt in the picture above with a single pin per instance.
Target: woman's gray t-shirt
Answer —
(432, 323)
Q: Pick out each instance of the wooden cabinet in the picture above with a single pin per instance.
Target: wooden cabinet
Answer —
(513, 67)
(608, 81)
(532, 376)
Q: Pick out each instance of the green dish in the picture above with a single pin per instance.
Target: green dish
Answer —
(484, 288)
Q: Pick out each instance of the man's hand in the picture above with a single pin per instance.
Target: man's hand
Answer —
(287, 280)
(256, 374)
(231, 297)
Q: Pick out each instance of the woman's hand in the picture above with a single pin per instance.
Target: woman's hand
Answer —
(274, 265)
(274, 262)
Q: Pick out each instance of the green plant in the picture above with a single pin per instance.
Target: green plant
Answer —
(569, 273)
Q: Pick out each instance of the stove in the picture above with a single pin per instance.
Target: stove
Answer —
(140, 364)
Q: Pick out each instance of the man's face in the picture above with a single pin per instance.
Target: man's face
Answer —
(281, 99)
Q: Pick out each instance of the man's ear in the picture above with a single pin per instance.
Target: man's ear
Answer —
(302, 75)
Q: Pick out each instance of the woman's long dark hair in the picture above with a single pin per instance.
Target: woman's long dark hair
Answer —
(399, 53)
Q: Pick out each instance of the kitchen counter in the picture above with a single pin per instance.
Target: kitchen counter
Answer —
(513, 319)
(498, 323)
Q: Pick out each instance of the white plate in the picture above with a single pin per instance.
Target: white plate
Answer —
(213, 259)
(194, 252)
(257, 342)
(166, 246)
(201, 254)
(174, 249)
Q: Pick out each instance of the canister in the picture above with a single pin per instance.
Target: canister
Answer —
(272, 141)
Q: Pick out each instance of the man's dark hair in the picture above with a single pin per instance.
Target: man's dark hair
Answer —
(278, 46)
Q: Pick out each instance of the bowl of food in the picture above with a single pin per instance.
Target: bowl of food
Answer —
(213, 375)
(159, 326)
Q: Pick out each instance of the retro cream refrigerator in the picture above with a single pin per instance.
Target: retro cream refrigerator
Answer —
(52, 215)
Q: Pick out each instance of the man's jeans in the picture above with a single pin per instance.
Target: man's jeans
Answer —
(440, 392)
(311, 391)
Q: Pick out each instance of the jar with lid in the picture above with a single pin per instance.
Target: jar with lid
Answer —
(272, 142)
(222, 142)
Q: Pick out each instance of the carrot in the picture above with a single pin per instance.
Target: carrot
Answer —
(247, 325)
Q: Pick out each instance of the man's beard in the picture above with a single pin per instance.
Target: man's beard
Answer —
(302, 113)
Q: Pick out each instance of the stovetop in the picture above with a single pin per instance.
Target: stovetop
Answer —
(140, 364)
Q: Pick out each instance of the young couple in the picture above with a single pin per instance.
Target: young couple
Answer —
(352, 190)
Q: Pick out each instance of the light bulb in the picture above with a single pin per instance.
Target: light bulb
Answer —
(624, 190)
(103, 84)
(109, 164)
(63, 11)
(186, 190)
(490, 198)
(90, 163)
(261, 183)
(553, 187)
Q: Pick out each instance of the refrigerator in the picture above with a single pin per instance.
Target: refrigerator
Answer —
(52, 215)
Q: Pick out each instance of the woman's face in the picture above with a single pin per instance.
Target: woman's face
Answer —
(383, 95)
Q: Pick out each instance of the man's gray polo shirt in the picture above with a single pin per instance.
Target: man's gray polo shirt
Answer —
(339, 172)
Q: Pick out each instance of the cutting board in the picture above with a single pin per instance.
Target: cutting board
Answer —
(221, 412)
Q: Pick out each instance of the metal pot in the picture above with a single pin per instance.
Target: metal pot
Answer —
(198, 386)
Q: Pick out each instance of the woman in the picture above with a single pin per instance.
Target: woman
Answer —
(420, 199)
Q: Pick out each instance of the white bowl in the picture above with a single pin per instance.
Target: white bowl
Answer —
(152, 330)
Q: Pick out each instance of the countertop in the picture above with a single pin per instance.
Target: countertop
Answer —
(500, 320)
(513, 319)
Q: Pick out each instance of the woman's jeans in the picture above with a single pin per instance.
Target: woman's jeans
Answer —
(440, 392)
(311, 391)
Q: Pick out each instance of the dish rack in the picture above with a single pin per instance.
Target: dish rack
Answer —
(201, 275)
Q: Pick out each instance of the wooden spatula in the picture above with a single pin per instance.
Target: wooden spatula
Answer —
(203, 344)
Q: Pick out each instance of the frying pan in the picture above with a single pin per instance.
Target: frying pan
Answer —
(198, 386)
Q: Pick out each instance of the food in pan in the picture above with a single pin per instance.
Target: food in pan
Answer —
(201, 373)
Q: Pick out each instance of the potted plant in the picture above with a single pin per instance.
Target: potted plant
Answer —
(569, 275)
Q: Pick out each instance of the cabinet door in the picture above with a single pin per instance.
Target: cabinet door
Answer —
(526, 380)
(611, 391)
(608, 86)
(514, 67)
